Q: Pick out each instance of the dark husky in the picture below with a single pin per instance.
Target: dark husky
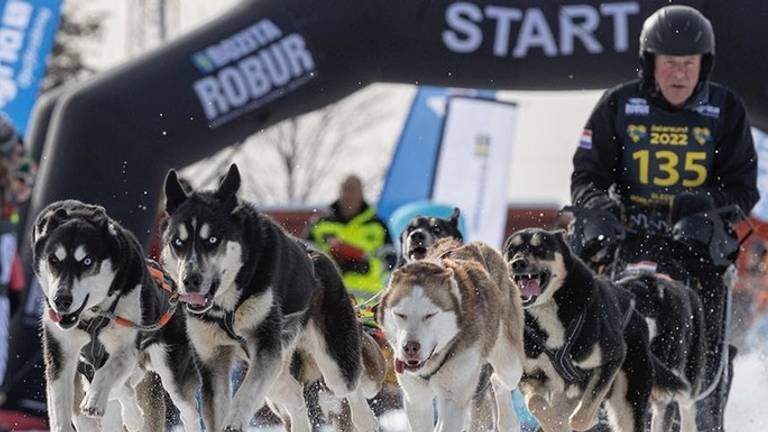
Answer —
(258, 294)
(422, 232)
(676, 322)
(108, 317)
(584, 341)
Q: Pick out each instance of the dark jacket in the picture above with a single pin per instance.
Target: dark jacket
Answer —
(636, 140)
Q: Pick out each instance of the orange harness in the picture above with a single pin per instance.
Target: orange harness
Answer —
(163, 281)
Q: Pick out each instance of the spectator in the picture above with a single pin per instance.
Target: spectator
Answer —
(356, 238)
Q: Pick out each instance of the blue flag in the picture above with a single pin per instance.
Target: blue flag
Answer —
(27, 30)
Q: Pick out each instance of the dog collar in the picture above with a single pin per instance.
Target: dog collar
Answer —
(448, 354)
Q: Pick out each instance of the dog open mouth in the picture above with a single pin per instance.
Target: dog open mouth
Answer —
(411, 365)
(531, 285)
(417, 253)
(198, 303)
(67, 321)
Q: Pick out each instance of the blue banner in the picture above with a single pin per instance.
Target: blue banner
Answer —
(412, 169)
(27, 30)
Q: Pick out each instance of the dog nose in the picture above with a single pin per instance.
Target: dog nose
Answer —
(62, 301)
(519, 264)
(417, 236)
(193, 281)
(411, 348)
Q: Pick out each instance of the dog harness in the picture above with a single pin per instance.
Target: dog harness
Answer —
(164, 281)
(561, 358)
(94, 352)
(226, 322)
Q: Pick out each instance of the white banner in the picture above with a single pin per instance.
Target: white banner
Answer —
(473, 166)
(761, 147)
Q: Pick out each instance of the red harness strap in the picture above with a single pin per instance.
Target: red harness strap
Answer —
(164, 281)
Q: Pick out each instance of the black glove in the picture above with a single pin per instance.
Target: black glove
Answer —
(687, 203)
(605, 202)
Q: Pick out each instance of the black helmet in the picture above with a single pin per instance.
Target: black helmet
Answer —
(677, 30)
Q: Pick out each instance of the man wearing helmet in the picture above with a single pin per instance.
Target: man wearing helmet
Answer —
(665, 146)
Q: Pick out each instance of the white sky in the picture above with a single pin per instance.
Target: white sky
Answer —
(549, 123)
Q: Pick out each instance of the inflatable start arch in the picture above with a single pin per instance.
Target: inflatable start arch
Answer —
(111, 140)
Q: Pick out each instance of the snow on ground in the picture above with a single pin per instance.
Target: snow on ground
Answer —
(749, 392)
(746, 409)
(393, 421)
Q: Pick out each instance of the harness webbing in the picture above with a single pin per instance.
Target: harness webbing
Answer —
(163, 281)
(561, 358)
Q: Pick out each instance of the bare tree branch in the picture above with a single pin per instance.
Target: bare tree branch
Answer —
(292, 160)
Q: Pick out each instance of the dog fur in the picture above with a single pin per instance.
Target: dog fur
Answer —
(433, 236)
(675, 319)
(87, 264)
(571, 369)
(258, 294)
(445, 317)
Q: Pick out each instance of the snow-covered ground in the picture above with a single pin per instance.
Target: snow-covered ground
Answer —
(746, 409)
(746, 406)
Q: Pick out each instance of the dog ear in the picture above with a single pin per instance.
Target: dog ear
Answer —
(560, 237)
(229, 185)
(174, 192)
(49, 218)
(454, 218)
(396, 276)
(98, 212)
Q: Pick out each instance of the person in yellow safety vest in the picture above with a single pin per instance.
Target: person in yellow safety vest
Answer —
(357, 239)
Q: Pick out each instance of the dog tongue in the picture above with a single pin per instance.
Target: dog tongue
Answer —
(53, 315)
(194, 299)
(530, 287)
(399, 366)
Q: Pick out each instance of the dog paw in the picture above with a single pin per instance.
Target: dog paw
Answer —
(93, 405)
(583, 422)
(538, 406)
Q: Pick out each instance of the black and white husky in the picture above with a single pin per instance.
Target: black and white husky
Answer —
(257, 294)
(585, 343)
(107, 317)
(675, 319)
(423, 231)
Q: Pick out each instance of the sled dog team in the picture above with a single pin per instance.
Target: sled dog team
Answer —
(467, 324)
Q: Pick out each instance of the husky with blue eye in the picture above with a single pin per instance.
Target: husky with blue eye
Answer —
(254, 293)
(109, 317)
